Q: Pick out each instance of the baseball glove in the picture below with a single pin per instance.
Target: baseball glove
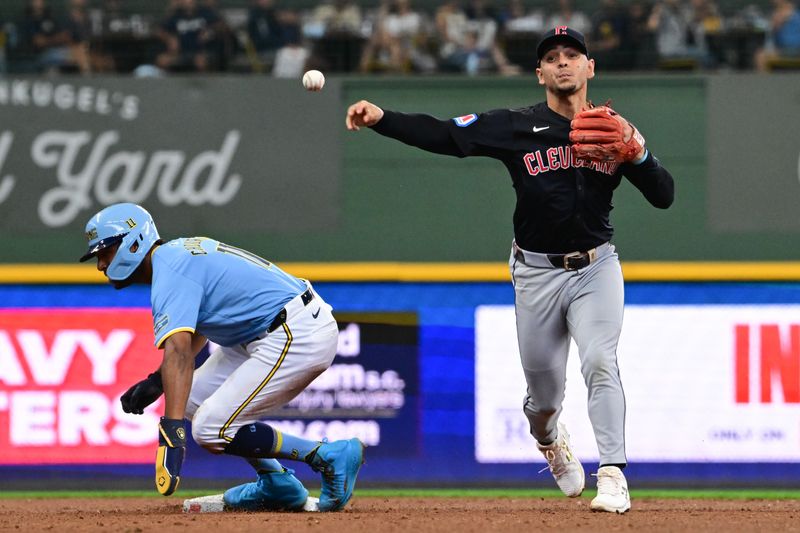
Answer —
(602, 134)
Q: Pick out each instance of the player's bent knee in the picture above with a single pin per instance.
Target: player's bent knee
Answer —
(252, 440)
(540, 411)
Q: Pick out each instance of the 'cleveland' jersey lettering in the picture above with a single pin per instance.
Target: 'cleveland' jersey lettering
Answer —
(562, 157)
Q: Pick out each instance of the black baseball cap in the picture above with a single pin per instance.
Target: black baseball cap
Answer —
(562, 34)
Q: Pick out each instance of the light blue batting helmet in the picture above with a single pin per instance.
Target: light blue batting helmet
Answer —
(127, 224)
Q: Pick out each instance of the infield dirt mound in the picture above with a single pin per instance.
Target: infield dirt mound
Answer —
(420, 515)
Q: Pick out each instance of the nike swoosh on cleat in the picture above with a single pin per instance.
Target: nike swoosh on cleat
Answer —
(537, 130)
(315, 315)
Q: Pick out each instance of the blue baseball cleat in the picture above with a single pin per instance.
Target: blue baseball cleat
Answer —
(339, 463)
(273, 491)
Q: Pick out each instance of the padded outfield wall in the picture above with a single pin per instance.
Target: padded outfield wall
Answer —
(264, 165)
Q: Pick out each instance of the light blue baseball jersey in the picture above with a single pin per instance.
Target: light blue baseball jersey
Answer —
(228, 294)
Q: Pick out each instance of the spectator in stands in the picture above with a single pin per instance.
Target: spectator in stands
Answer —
(677, 35)
(398, 41)
(565, 15)
(611, 45)
(484, 19)
(115, 20)
(519, 33)
(784, 35)
(709, 24)
(79, 27)
(50, 42)
(189, 35)
(337, 31)
(292, 58)
(451, 28)
(222, 44)
(515, 18)
(266, 33)
(335, 17)
(644, 51)
(469, 40)
(122, 40)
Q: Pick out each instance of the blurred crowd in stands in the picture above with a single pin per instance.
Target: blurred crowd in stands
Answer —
(394, 37)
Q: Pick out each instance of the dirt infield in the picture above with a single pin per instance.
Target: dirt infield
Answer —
(371, 514)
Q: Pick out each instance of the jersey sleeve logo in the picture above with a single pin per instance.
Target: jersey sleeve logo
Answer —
(466, 120)
(160, 323)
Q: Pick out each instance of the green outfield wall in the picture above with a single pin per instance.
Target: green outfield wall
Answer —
(309, 191)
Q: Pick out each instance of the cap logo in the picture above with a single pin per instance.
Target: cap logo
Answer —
(131, 223)
(91, 234)
(561, 30)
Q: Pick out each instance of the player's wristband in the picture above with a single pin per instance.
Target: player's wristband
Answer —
(170, 455)
(640, 160)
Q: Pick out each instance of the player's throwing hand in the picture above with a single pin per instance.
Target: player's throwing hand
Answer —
(363, 113)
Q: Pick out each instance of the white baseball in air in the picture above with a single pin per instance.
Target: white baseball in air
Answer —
(313, 80)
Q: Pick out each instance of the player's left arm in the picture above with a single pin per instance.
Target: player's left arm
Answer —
(177, 369)
(140, 395)
(652, 179)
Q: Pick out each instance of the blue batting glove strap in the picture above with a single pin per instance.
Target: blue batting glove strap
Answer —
(170, 455)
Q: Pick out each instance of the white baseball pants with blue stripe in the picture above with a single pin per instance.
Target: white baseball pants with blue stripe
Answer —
(240, 385)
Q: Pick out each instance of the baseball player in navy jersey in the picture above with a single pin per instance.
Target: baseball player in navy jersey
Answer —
(566, 273)
(275, 333)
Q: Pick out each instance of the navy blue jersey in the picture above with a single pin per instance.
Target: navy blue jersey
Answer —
(188, 25)
(563, 203)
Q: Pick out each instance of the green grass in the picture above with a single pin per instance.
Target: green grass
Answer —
(726, 494)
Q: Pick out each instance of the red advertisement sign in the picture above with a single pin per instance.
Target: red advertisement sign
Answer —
(62, 372)
(777, 364)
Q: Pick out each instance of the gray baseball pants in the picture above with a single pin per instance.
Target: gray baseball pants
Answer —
(553, 305)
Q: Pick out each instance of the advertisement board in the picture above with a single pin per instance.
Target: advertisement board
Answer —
(62, 372)
(711, 383)
(192, 151)
(370, 391)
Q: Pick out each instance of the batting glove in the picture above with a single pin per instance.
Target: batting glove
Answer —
(142, 394)
(170, 455)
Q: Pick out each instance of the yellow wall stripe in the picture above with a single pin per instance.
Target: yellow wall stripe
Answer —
(444, 272)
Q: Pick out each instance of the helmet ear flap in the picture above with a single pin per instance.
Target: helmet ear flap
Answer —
(136, 246)
(129, 224)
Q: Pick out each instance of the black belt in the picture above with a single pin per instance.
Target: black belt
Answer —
(573, 260)
(570, 261)
(280, 318)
